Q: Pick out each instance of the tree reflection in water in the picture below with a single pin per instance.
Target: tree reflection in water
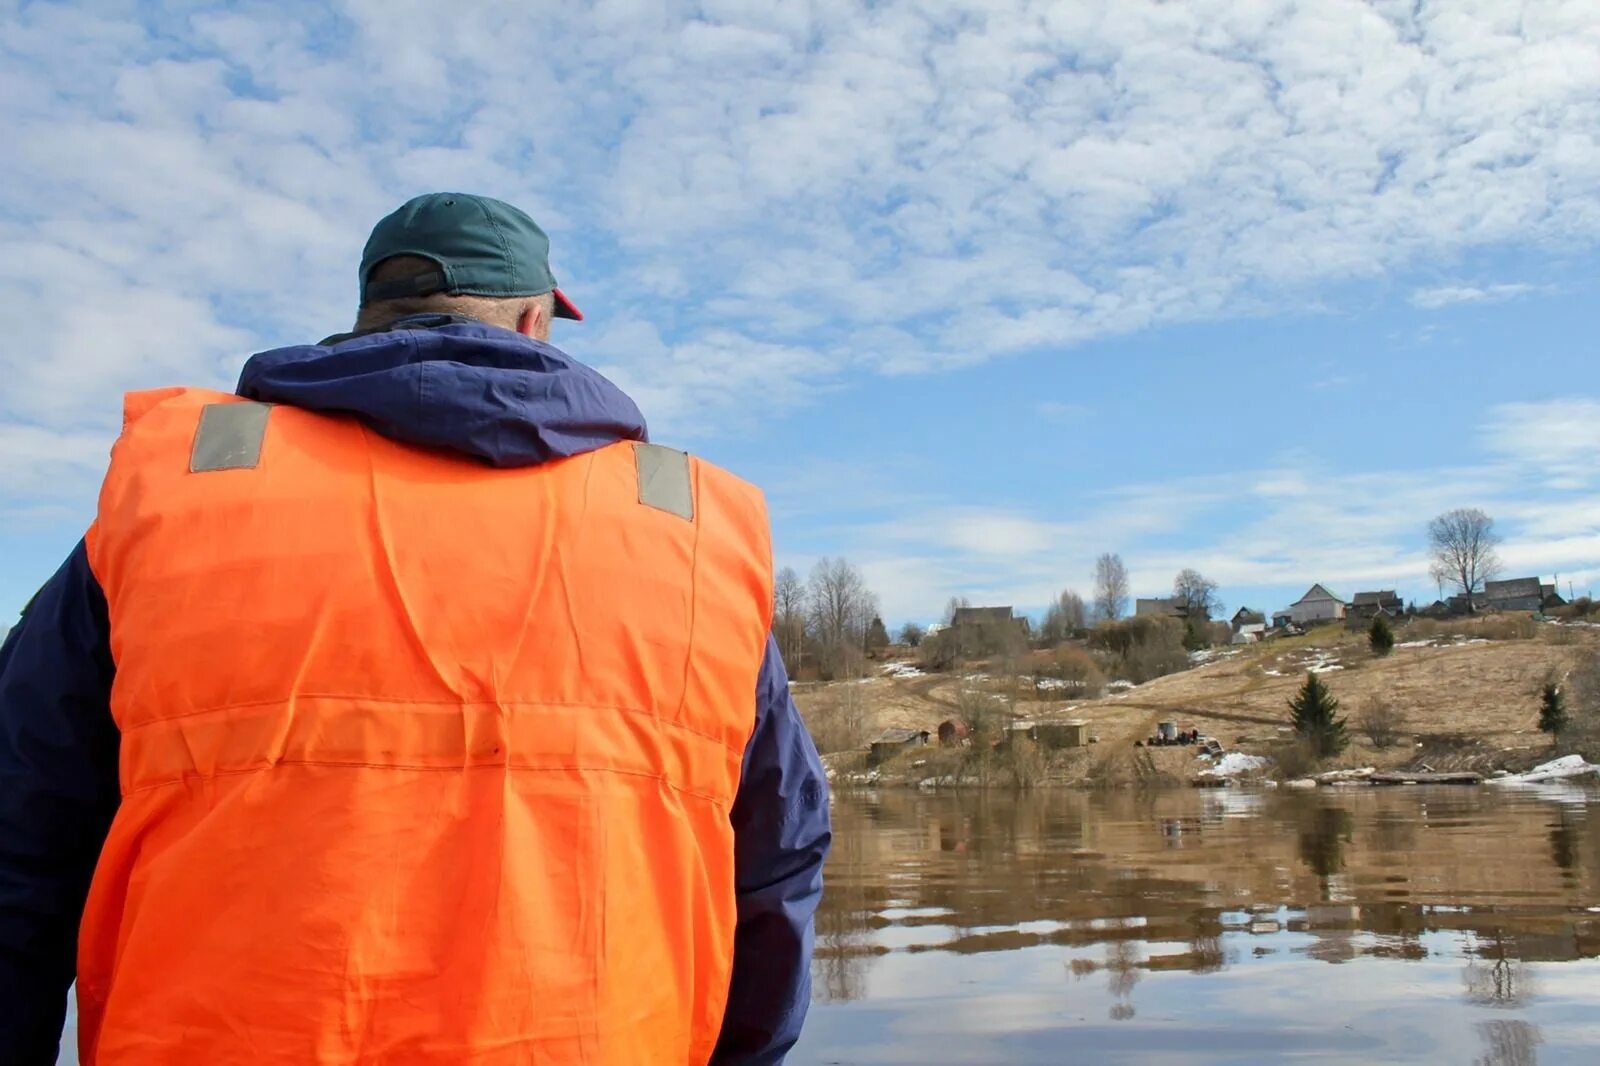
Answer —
(1509, 1043)
(1324, 831)
(1122, 970)
(1495, 976)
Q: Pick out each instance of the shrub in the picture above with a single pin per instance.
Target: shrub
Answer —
(1422, 629)
(1380, 637)
(1294, 759)
(1146, 662)
(837, 719)
(1313, 712)
(937, 652)
(1493, 627)
(1381, 722)
(1074, 666)
(1582, 607)
(1552, 710)
(980, 710)
(1142, 649)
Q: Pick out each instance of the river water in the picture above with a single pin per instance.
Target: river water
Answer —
(1350, 925)
(1360, 925)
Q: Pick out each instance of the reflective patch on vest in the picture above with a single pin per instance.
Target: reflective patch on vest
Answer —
(664, 480)
(229, 437)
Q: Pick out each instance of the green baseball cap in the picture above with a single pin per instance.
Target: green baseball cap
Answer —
(482, 246)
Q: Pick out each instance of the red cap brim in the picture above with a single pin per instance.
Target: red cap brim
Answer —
(565, 308)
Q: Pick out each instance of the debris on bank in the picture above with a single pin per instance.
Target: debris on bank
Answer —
(1236, 764)
(1564, 768)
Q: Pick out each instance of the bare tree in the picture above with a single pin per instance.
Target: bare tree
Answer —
(954, 604)
(1196, 593)
(841, 609)
(1063, 618)
(911, 634)
(1462, 544)
(1110, 587)
(789, 616)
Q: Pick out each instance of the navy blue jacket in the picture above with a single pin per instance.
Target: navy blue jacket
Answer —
(445, 383)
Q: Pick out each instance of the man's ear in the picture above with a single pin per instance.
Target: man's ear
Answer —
(532, 322)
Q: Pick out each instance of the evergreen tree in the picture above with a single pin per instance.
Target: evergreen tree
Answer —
(1381, 636)
(1552, 710)
(1313, 717)
(877, 636)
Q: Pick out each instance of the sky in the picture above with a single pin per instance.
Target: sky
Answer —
(974, 291)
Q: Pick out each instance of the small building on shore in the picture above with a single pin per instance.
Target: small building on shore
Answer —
(893, 742)
(953, 733)
(1071, 733)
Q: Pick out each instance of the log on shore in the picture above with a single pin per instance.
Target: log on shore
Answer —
(1401, 777)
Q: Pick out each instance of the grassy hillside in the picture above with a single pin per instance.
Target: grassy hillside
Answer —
(1463, 695)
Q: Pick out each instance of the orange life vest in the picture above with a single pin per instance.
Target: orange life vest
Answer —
(422, 761)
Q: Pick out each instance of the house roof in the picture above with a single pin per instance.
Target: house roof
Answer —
(1515, 588)
(1245, 615)
(981, 616)
(1370, 599)
(1318, 592)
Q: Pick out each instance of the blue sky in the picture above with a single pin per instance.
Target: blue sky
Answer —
(975, 290)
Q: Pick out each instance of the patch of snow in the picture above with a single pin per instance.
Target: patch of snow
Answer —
(1415, 644)
(1273, 673)
(902, 670)
(1051, 684)
(1119, 684)
(1207, 655)
(1555, 770)
(1235, 763)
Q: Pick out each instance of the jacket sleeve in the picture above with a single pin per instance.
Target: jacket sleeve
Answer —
(58, 793)
(781, 837)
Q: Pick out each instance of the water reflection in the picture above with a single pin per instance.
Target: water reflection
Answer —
(1208, 911)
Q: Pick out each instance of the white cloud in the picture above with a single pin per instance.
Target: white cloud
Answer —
(830, 186)
(1448, 295)
(1558, 440)
(1282, 527)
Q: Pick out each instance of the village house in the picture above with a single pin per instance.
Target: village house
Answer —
(1247, 621)
(1368, 605)
(1317, 605)
(986, 630)
(1161, 607)
(1248, 626)
(1520, 594)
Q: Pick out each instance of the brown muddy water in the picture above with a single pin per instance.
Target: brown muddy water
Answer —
(1358, 925)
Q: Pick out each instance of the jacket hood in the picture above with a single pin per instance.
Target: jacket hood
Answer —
(443, 381)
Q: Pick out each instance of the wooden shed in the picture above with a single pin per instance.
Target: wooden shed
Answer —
(894, 741)
(1072, 733)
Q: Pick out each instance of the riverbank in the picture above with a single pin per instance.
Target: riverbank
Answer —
(1458, 698)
